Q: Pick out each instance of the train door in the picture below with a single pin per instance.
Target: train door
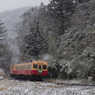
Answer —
(39, 68)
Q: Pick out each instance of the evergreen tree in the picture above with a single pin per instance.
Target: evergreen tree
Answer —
(5, 55)
(34, 42)
(2, 35)
(61, 10)
(2, 31)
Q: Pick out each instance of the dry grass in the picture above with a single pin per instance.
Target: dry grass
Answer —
(6, 84)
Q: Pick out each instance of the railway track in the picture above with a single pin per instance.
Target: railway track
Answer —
(58, 83)
(69, 84)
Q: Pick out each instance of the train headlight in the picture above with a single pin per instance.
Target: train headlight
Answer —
(44, 63)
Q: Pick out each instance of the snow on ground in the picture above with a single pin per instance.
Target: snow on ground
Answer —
(15, 87)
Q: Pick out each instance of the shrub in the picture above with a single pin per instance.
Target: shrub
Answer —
(54, 70)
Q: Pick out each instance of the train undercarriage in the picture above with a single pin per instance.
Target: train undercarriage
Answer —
(28, 77)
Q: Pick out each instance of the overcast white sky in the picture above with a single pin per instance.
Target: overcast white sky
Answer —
(13, 4)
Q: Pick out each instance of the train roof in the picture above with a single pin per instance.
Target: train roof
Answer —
(30, 63)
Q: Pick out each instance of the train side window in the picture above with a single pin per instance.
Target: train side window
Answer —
(26, 67)
(23, 67)
(16, 67)
(29, 67)
(44, 67)
(35, 66)
(20, 67)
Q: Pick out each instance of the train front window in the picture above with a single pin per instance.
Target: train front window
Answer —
(44, 66)
(35, 66)
(39, 66)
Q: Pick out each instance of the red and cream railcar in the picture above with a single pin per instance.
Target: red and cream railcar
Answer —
(33, 69)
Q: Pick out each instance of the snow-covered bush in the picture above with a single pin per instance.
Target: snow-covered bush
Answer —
(54, 70)
(80, 70)
(1, 77)
(2, 74)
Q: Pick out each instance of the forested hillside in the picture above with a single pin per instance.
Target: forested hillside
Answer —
(62, 33)
(9, 51)
(10, 18)
(64, 30)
